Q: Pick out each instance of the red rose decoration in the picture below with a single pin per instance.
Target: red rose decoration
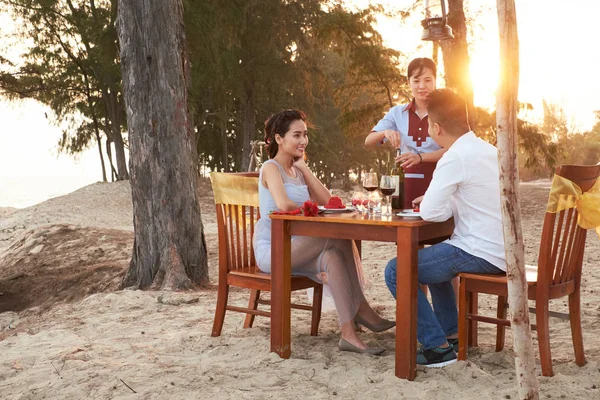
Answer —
(310, 209)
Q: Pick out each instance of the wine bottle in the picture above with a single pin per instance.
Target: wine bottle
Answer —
(398, 174)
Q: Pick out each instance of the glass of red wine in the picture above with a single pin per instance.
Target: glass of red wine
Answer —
(370, 181)
(387, 186)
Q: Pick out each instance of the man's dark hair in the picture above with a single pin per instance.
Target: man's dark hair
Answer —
(449, 110)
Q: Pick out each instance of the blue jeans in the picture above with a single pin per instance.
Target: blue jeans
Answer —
(438, 265)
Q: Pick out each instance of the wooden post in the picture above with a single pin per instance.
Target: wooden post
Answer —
(506, 120)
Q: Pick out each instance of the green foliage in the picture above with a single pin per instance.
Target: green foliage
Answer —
(537, 153)
(249, 59)
(312, 55)
(582, 148)
(71, 65)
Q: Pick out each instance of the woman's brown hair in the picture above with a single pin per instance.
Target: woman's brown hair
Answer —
(279, 124)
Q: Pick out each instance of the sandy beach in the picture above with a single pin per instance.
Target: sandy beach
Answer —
(67, 333)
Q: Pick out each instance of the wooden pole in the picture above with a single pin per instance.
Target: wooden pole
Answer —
(506, 120)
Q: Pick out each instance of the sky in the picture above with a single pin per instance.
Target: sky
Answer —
(559, 61)
(558, 52)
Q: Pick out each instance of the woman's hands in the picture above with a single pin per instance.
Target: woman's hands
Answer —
(317, 191)
(409, 159)
(393, 137)
(376, 138)
(301, 165)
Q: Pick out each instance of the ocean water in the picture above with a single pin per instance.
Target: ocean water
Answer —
(21, 192)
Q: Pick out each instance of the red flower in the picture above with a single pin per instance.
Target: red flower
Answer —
(310, 209)
(293, 212)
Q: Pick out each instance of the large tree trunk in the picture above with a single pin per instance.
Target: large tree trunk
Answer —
(169, 248)
(506, 120)
(436, 50)
(456, 56)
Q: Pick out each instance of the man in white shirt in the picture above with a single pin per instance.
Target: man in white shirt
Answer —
(465, 186)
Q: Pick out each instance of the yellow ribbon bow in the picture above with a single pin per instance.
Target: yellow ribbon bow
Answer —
(565, 194)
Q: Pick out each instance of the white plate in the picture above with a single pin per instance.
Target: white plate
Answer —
(409, 214)
(337, 210)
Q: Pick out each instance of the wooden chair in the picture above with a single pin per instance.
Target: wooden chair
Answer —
(557, 274)
(236, 199)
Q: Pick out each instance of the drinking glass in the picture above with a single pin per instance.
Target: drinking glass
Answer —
(370, 181)
(387, 186)
(360, 201)
(374, 203)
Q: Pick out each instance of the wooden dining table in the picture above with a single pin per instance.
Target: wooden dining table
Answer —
(407, 233)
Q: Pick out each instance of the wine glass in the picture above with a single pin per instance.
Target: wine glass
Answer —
(370, 181)
(387, 187)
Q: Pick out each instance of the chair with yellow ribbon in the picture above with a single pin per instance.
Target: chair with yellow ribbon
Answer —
(236, 200)
(566, 194)
(573, 208)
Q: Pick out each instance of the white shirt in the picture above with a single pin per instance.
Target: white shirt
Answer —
(397, 119)
(466, 186)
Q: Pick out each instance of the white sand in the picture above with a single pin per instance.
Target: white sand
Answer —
(75, 346)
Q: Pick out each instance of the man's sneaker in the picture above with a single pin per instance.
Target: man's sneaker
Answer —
(454, 344)
(436, 357)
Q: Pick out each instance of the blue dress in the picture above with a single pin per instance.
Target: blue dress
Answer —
(328, 261)
(296, 190)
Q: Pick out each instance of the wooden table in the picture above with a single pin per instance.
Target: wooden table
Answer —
(406, 233)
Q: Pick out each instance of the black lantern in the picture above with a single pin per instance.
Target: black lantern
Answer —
(435, 23)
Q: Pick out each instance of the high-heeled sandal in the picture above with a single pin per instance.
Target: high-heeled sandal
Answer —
(347, 346)
(380, 327)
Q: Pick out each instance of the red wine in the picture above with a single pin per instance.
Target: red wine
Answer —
(388, 192)
(370, 188)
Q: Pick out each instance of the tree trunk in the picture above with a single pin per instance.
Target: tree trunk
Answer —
(99, 140)
(113, 170)
(122, 174)
(117, 137)
(249, 125)
(96, 125)
(456, 56)
(223, 121)
(169, 247)
(506, 120)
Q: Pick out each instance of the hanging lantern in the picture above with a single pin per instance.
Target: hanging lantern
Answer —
(435, 24)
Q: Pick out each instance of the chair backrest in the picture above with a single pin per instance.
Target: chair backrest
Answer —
(236, 200)
(563, 241)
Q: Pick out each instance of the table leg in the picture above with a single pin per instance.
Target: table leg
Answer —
(358, 244)
(406, 302)
(281, 288)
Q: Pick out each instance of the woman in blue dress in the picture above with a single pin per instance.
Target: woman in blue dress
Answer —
(285, 183)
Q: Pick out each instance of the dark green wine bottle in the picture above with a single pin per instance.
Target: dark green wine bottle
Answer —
(398, 174)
